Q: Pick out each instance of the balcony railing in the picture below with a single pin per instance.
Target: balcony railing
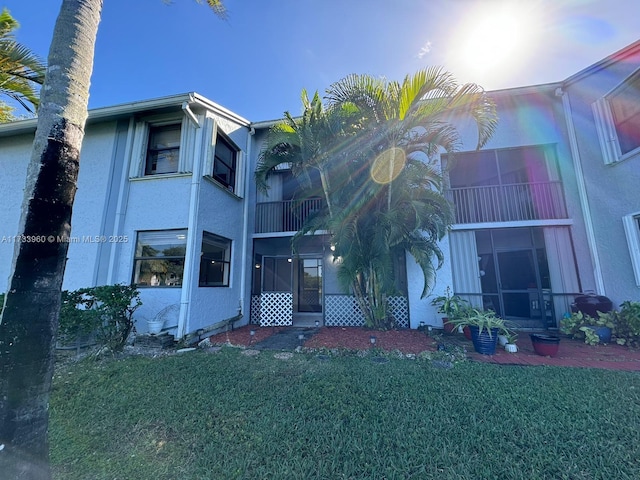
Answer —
(508, 203)
(285, 216)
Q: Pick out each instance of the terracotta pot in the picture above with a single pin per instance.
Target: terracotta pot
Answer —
(467, 332)
(448, 327)
(545, 345)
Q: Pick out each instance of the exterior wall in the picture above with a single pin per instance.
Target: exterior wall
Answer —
(611, 190)
(15, 153)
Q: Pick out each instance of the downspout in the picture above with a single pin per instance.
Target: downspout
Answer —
(582, 191)
(121, 207)
(192, 244)
(245, 227)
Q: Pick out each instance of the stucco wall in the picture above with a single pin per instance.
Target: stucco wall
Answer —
(612, 190)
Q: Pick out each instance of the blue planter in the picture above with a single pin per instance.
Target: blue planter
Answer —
(603, 332)
(484, 343)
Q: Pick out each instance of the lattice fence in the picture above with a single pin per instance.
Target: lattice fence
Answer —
(255, 309)
(343, 311)
(276, 309)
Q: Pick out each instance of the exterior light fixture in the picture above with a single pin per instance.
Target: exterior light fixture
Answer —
(372, 339)
(317, 323)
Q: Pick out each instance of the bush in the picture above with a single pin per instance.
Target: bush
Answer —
(578, 325)
(106, 311)
(628, 324)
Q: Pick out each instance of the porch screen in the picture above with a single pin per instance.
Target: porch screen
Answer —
(276, 276)
(466, 272)
(562, 268)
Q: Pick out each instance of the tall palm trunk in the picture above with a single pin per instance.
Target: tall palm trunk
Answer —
(30, 318)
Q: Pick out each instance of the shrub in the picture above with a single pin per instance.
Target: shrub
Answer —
(628, 324)
(106, 311)
(578, 325)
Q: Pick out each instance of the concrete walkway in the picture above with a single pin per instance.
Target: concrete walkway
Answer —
(287, 339)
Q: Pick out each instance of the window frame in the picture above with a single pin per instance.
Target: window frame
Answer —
(227, 142)
(631, 225)
(141, 258)
(149, 149)
(218, 241)
(607, 125)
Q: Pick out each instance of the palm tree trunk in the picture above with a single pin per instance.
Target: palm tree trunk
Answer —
(30, 318)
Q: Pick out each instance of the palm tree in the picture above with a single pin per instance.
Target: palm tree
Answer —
(30, 317)
(375, 145)
(21, 72)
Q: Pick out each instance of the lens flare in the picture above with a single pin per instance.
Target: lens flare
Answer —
(388, 165)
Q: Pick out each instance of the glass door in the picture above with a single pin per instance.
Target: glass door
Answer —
(310, 285)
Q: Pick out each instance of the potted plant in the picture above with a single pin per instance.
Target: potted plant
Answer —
(485, 326)
(593, 330)
(452, 307)
(511, 338)
(545, 345)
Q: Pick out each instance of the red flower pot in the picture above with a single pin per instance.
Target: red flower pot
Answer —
(467, 332)
(448, 326)
(545, 345)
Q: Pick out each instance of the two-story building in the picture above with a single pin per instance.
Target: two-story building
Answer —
(167, 201)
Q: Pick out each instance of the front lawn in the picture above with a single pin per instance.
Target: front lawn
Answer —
(228, 415)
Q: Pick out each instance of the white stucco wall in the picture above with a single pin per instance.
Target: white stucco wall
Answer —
(612, 190)
(15, 153)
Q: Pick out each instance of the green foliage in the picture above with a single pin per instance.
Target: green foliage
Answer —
(453, 306)
(578, 325)
(106, 311)
(1, 303)
(484, 320)
(628, 324)
(21, 72)
(373, 150)
(243, 417)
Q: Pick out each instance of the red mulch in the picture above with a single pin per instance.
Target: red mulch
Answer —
(571, 353)
(356, 338)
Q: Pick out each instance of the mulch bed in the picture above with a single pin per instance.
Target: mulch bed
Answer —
(352, 338)
(572, 353)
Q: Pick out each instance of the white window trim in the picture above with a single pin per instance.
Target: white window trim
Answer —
(210, 159)
(605, 126)
(632, 231)
(141, 142)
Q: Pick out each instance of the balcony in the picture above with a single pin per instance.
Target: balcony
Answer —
(285, 216)
(508, 202)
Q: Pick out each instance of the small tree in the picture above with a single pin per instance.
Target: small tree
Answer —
(375, 147)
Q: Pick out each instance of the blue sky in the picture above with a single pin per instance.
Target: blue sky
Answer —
(257, 62)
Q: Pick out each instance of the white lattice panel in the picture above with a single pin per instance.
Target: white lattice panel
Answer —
(342, 311)
(276, 309)
(255, 309)
(399, 307)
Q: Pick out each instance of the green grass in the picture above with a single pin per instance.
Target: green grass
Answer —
(227, 416)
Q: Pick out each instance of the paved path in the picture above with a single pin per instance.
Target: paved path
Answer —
(288, 339)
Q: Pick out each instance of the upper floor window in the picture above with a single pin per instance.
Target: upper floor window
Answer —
(625, 108)
(224, 164)
(617, 119)
(159, 258)
(163, 151)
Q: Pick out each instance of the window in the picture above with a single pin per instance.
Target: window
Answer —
(617, 117)
(159, 258)
(224, 164)
(625, 109)
(215, 261)
(163, 149)
(632, 230)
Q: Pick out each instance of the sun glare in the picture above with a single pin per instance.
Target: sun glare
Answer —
(493, 39)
